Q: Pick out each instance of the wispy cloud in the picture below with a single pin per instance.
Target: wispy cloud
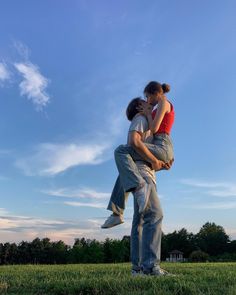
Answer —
(92, 205)
(215, 205)
(85, 193)
(22, 49)
(203, 184)
(51, 159)
(34, 84)
(16, 228)
(3, 211)
(218, 189)
(4, 73)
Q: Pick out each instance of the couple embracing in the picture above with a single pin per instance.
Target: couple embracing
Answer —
(148, 149)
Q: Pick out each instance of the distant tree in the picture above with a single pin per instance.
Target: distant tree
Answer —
(36, 251)
(1, 253)
(117, 250)
(59, 252)
(24, 253)
(126, 248)
(107, 250)
(231, 248)
(178, 240)
(6, 252)
(212, 239)
(198, 256)
(94, 252)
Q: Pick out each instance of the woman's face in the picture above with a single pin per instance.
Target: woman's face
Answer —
(153, 99)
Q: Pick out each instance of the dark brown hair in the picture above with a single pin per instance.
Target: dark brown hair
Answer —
(131, 110)
(156, 87)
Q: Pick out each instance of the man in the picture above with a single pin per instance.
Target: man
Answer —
(146, 225)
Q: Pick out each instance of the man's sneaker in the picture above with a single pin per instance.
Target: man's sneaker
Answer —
(136, 273)
(113, 220)
(142, 196)
(159, 272)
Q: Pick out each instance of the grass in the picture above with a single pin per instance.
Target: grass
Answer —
(191, 279)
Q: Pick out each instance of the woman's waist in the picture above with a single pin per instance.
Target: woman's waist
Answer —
(161, 135)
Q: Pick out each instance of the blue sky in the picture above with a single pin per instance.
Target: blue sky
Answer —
(67, 73)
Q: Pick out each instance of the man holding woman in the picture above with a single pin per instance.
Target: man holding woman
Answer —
(136, 163)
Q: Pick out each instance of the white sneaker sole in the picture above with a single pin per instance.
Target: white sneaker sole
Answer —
(111, 225)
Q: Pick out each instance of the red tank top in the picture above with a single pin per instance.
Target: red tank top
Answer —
(167, 121)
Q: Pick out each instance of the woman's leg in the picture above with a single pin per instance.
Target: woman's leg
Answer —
(126, 156)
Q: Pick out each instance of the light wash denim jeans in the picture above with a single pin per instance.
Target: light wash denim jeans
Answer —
(129, 176)
(125, 157)
(146, 233)
(118, 198)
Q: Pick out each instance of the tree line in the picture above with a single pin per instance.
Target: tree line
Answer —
(210, 243)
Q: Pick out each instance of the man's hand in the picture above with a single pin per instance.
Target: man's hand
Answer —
(168, 165)
(158, 165)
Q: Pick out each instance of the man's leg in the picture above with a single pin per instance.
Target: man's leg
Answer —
(152, 233)
(135, 240)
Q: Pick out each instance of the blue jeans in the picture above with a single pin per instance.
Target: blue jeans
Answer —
(146, 233)
(129, 176)
(125, 157)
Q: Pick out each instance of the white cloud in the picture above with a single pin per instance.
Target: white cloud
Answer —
(51, 159)
(4, 73)
(22, 49)
(85, 193)
(34, 84)
(3, 211)
(203, 184)
(217, 189)
(92, 205)
(215, 205)
(16, 228)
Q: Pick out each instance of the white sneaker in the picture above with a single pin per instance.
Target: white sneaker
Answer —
(142, 196)
(160, 273)
(113, 220)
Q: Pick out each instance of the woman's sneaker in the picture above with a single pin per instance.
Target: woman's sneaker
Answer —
(113, 220)
(142, 196)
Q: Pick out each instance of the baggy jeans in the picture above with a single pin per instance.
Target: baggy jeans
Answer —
(129, 176)
(146, 233)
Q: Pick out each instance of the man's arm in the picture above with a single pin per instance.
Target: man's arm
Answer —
(135, 140)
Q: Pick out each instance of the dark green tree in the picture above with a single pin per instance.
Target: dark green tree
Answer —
(212, 239)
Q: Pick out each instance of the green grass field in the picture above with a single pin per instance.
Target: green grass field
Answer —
(192, 278)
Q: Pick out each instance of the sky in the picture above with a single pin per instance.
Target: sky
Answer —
(68, 71)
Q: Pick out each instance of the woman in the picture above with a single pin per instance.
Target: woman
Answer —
(160, 120)
(160, 123)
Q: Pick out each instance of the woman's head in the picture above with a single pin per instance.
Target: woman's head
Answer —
(132, 108)
(154, 91)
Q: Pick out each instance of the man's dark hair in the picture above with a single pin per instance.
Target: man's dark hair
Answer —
(131, 110)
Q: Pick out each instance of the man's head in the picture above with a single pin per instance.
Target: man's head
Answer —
(132, 108)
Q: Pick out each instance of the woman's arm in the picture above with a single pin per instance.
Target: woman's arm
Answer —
(154, 125)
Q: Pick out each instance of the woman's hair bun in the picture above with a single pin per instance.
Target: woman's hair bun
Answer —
(165, 87)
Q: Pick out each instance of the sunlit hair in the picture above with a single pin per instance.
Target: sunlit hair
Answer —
(154, 87)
